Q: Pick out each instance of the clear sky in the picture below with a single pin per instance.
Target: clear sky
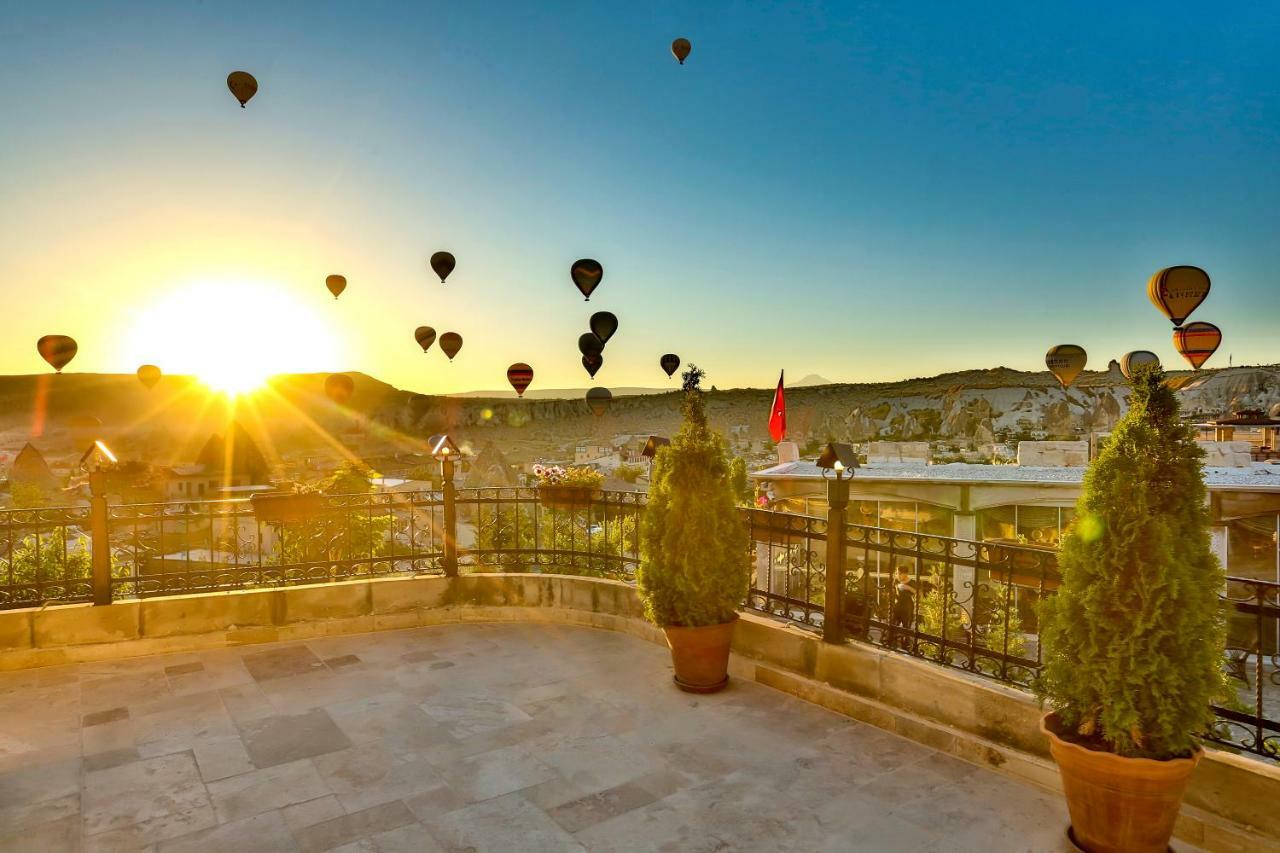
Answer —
(865, 191)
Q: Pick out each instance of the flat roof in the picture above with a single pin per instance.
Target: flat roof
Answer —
(1259, 476)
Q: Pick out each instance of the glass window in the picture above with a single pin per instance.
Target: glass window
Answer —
(1251, 547)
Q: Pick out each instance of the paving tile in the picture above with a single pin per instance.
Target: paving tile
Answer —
(504, 823)
(110, 715)
(61, 835)
(263, 833)
(341, 661)
(289, 737)
(492, 774)
(300, 815)
(220, 757)
(39, 793)
(338, 831)
(184, 668)
(474, 715)
(413, 838)
(153, 791)
(369, 774)
(260, 791)
(593, 808)
(281, 662)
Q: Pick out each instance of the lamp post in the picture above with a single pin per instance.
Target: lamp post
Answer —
(837, 462)
(444, 451)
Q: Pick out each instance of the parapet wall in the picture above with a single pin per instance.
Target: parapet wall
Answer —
(1230, 805)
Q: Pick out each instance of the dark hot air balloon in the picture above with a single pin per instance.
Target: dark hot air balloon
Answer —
(339, 387)
(593, 363)
(598, 400)
(336, 284)
(451, 342)
(58, 350)
(1065, 361)
(425, 336)
(1196, 342)
(590, 344)
(1131, 361)
(1177, 291)
(680, 49)
(670, 363)
(519, 375)
(443, 264)
(604, 324)
(586, 275)
(242, 85)
(149, 375)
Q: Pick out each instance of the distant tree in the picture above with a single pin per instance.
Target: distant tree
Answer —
(27, 495)
(739, 482)
(629, 473)
(348, 479)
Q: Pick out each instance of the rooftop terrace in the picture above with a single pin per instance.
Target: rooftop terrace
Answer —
(476, 737)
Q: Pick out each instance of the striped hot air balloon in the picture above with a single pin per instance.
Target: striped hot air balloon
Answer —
(520, 375)
(1196, 342)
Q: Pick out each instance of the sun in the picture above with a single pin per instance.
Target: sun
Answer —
(233, 335)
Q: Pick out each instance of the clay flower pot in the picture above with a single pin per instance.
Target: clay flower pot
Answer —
(701, 655)
(1119, 804)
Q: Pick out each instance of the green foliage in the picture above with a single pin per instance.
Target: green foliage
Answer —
(579, 540)
(739, 483)
(1133, 638)
(27, 495)
(992, 610)
(48, 559)
(629, 473)
(694, 551)
(349, 479)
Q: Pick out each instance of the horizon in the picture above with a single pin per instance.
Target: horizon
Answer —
(896, 199)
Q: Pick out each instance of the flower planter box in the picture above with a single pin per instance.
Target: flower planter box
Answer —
(562, 497)
(284, 508)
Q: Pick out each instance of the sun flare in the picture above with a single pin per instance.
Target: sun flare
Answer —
(233, 335)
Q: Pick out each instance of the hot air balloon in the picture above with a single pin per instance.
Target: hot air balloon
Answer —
(1196, 342)
(680, 49)
(519, 375)
(425, 336)
(443, 263)
(336, 284)
(593, 363)
(670, 363)
(339, 387)
(604, 324)
(242, 85)
(1065, 361)
(598, 400)
(451, 342)
(590, 344)
(586, 275)
(1131, 361)
(149, 375)
(58, 350)
(1177, 291)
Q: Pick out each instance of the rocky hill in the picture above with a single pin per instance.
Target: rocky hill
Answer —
(969, 408)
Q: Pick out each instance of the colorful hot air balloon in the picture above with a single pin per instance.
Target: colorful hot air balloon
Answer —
(593, 363)
(242, 85)
(670, 363)
(680, 49)
(1131, 361)
(58, 350)
(425, 336)
(339, 387)
(604, 324)
(519, 375)
(443, 264)
(1065, 361)
(149, 375)
(598, 400)
(586, 275)
(1196, 342)
(1177, 291)
(590, 344)
(451, 342)
(336, 284)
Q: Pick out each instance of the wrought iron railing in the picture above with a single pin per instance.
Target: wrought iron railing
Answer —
(971, 605)
(45, 555)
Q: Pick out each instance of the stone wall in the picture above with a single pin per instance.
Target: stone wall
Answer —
(1053, 454)
(1227, 454)
(1229, 807)
(898, 453)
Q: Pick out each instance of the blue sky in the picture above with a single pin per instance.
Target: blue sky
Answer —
(865, 191)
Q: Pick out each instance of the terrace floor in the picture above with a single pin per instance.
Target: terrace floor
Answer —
(470, 737)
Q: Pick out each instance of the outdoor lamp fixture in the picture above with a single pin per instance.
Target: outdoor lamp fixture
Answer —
(838, 458)
(444, 450)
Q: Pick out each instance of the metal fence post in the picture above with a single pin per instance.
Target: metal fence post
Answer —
(450, 519)
(833, 601)
(99, 541)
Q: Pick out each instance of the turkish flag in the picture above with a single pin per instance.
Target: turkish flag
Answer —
(778, 414)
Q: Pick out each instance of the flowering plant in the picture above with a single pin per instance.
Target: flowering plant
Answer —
(556, 475)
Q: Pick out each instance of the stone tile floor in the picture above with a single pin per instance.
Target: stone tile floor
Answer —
(470, 737)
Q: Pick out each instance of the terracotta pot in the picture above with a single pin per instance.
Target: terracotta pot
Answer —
(701, 655)
(1119, 804)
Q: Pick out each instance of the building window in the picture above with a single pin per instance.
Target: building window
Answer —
(1025, 524)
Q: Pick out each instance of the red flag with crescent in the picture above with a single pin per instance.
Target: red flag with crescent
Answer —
(778, 414)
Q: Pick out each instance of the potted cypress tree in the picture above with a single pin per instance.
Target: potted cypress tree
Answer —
(1133, 637)
(694, 564)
